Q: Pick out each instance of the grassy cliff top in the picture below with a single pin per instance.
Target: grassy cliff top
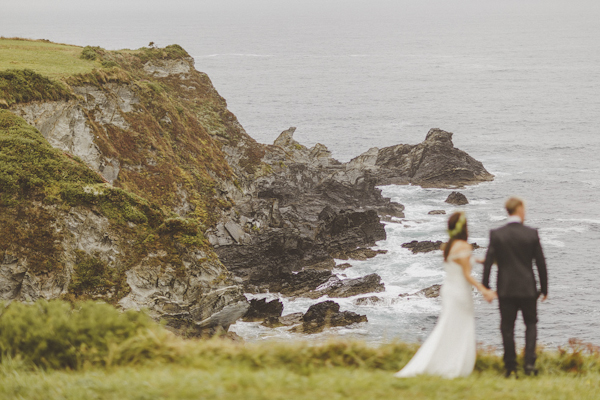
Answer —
(46, 58)
(56, 60)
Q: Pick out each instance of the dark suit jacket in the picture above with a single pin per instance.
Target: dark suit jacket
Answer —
(513, 248)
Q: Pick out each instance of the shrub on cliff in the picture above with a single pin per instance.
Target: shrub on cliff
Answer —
(90, 53)
(23, 86)
(91, 275)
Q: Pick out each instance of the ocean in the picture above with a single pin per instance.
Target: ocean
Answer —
(517, 82)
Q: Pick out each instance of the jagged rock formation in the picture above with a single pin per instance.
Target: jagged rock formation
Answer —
(433, 163)
(300, 214)
(310, 208)
(182, 177)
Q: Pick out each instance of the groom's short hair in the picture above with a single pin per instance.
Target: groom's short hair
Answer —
(512, 204)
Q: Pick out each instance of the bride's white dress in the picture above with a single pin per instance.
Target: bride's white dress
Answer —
(450, 350)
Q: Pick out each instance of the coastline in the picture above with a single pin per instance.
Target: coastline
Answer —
(273, 214)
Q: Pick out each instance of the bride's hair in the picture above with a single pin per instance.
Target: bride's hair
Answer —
(463, 234)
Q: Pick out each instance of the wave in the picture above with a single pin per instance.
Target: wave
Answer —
(233, 55)
(565, 148)
(584, 220)
(579, 229)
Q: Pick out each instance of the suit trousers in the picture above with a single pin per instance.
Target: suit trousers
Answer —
(509, 307)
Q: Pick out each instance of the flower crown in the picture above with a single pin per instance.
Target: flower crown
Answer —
(458, 227)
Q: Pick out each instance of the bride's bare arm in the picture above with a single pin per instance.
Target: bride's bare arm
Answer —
(465, 263)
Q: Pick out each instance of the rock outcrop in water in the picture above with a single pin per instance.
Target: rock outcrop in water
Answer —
(433, 163)
(369, 301)
(427, 246)
(457, 199)
(285, 320)
(422, 247)
(340, 288)
(437, 212)
(261, 309)
(325, 315)
(186, 211)
(429, 292)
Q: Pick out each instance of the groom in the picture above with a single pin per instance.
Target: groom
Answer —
(513, 248)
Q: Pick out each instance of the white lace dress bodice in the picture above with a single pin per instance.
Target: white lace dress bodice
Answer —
(450, 349)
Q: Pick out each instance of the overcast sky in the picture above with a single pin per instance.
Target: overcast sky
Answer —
(277, 6)
(162, 21)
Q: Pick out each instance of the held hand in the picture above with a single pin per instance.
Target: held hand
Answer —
(489, 295)
(480, 260)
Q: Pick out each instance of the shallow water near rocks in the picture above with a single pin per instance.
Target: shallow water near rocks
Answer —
(517, 82)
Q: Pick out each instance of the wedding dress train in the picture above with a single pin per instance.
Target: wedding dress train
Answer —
(450, 349)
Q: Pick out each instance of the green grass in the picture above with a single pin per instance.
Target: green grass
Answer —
(57, 350)
(49, 59)
(168, 381)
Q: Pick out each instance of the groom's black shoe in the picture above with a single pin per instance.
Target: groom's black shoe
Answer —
(531, 370)
(510, 372)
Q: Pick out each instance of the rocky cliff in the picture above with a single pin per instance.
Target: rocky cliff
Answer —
(145, 124)
(171, 205)
(309, 208)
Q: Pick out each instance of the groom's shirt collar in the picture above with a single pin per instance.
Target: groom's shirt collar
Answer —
(513, 219)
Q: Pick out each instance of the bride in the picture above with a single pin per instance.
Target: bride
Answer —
(450, 350)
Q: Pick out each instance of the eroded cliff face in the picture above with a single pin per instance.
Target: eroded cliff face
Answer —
(147, 125)
(214, 212)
